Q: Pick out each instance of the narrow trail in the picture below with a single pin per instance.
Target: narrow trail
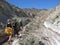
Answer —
(3, 39)
(6, 43)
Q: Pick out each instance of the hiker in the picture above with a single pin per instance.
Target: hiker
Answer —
(9, 29)
(15, 27)
(21, 26)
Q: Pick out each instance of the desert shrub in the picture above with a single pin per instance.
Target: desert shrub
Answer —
(29, 40)
(1, 32)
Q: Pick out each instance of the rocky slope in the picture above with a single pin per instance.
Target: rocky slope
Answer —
(53, 22)
(44, 24)
(36, 27)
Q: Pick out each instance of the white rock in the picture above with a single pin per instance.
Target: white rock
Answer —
(16, 42)
(53, 22)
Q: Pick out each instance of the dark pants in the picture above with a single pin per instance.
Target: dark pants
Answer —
(16, 31)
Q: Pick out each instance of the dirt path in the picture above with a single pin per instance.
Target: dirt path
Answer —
(6, 43)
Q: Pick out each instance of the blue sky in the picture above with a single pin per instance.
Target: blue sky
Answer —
(39, 4)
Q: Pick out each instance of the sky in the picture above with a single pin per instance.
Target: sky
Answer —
(39, 4)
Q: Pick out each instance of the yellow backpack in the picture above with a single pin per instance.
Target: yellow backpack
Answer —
(8, 31)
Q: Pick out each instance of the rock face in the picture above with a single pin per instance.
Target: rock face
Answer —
(53, 22)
